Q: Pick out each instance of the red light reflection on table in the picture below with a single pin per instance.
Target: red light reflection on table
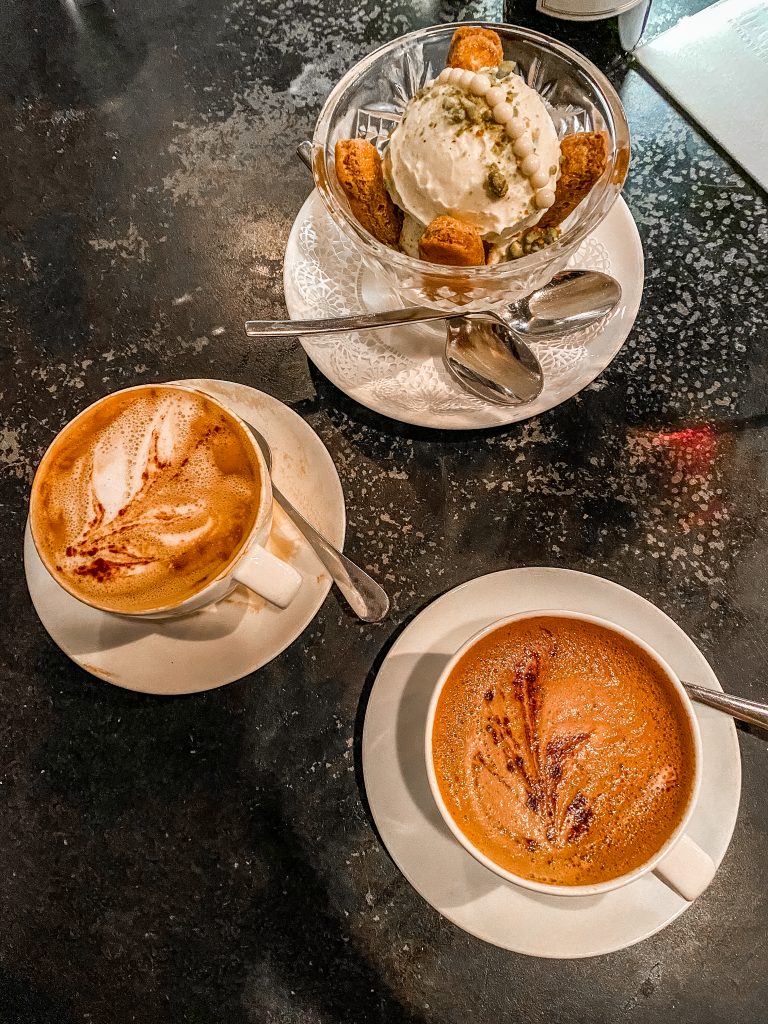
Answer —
(694, 446)
(694, 450)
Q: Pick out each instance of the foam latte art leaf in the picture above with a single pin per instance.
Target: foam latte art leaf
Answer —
(155, 482)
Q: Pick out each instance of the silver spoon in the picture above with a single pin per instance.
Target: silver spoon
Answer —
(479, 346)
(751, 711)
(482, 350)
(572, 300)
(486, 357)
(366, 598)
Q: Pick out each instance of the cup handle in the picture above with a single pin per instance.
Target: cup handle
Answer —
(686, 869)
(267, 576)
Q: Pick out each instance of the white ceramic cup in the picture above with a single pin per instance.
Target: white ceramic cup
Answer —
(679, 862)
(254, 566)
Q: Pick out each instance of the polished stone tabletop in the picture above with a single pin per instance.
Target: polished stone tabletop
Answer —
(212, 858)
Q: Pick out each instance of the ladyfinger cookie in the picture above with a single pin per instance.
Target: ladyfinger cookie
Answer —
(473, 48)
(583, 157)
(358, 168)
(450, 242)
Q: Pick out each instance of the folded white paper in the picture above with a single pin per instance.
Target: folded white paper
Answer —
(715, 65)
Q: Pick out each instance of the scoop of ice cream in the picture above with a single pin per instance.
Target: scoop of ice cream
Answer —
(474, 147)
(410, 234)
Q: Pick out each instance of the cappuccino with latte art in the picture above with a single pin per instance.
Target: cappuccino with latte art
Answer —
(562, 751)
(145, 498)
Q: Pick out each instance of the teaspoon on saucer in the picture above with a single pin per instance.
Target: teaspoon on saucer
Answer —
(486, 351)
(478, 353)
(365, 597)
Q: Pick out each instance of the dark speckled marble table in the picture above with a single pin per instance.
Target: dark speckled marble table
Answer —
(211, 858)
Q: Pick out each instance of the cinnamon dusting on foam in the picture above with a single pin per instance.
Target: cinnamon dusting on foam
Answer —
(542, 766)
(562, 752)
(145, 499)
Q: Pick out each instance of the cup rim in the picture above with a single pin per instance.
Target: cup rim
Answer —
(265, 502)
(541, 887)
(572, 237)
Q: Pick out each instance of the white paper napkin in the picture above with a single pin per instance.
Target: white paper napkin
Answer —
(715, 65)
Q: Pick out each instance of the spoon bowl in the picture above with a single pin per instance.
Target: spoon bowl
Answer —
(572, 300)
(487, 358)
(487, 352)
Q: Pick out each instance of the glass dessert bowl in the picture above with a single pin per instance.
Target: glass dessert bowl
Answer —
(368, 103)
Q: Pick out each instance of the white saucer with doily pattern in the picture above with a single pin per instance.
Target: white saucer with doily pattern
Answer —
(228, 640)
(399, 372)
(419, 841)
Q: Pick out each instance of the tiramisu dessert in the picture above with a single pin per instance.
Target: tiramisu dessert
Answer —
(474, 173)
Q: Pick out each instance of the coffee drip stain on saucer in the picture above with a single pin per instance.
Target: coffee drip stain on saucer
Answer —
(284, 541)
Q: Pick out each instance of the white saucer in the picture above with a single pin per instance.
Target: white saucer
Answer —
(238, 635)
(399, 372)
(452, 881)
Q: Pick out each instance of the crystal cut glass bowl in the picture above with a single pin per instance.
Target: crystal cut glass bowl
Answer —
(368, 103)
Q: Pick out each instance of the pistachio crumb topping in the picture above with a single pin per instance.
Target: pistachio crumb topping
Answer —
(476, 114)
(496, 184)
(515, 250)
(454, 109)
(532, 240)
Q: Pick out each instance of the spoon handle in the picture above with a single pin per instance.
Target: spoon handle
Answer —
(750, 711)
(366, 598)
(304, 153)
(363, 322)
